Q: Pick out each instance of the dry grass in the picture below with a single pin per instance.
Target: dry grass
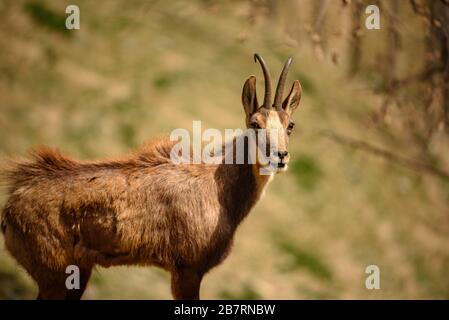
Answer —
(136, 70)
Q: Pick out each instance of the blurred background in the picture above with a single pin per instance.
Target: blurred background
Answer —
(368, 182)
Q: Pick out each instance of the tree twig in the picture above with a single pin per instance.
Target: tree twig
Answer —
(424, 75)
(403, 161)
(321, 13)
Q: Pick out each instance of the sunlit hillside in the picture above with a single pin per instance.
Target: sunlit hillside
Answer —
(136, 70)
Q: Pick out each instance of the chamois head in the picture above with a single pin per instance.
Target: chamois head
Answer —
(274, 118)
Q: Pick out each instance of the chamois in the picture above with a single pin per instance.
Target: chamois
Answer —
(141, 209)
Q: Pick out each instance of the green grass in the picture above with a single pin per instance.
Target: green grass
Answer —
(246, 293)
(13, 287)
(48, 18)
(300, 259)
(307, 84)
(307, 171)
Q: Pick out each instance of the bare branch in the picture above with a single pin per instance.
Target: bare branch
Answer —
(403, 161)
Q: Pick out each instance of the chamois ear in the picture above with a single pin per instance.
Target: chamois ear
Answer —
(292, 101)
(249, 96)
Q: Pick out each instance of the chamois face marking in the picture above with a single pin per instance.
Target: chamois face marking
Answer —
(274, 119)
(274, 125)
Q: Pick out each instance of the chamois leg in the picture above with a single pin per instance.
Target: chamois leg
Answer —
(185, 284)
(76, 294)
(52, 285)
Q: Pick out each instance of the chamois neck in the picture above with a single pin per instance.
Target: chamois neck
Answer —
(240, 187)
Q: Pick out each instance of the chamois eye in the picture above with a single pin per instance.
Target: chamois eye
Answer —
(254, 125)
(290, 127)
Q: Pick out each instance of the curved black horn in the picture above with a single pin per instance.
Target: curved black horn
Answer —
(281, 84)
(267, 80)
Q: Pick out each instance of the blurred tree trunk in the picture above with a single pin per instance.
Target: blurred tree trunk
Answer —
(294, 18)
(433, 105)
(393, 45)
(319, 12)
(273, 10)
(440, 28)
(355, 54)
(319, 35)
(438, 51)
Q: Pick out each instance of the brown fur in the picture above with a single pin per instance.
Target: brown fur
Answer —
(139, 210)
